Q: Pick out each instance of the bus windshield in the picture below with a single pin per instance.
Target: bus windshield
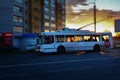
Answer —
(46, 39)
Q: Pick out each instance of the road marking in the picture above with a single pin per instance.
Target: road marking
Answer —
(66, 61)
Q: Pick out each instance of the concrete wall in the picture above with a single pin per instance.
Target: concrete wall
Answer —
(6, 20)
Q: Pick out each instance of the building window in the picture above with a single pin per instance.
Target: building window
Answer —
(26, 12)
(53, 25)
(26, 21)
(46, 9)
(19, 1)
(36, 27)
(52, 1)
(26, 3)
(46, 2)
(36, 10)
(46, 24)
(52, 18)
(36, 18)
(18, 29)
(52, 5)
(17, 19)
(36, 1)
(63, 7)
(46, 16)
(17, 9)
(53, 12)
(63, 12)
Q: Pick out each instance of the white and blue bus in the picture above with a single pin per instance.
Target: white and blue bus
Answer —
(73, 40)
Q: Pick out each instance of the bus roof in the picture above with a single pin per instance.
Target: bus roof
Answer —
(67, 31)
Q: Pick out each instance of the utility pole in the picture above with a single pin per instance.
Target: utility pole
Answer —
(50, 16)
(94, 15)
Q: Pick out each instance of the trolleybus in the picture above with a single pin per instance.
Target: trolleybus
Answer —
(73, 40)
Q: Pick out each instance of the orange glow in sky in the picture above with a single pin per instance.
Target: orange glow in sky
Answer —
(99, 28)
(78, 15)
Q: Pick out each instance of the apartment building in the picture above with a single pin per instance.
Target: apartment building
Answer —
(31, 16)
(60, 14)
(46, 15)
(19, 17)
(13, 16)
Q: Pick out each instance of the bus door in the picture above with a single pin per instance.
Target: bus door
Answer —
(107, 40)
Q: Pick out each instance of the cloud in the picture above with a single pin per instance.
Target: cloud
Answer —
(79, 14)
(75, 6)
(80, 8)
(75, 2)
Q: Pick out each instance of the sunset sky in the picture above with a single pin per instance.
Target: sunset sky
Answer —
(80, 13)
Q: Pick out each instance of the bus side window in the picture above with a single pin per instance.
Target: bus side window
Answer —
(70, 38)
(87, 38)
(60, 38)
(90, 38)
(96, 38)
(78, 38)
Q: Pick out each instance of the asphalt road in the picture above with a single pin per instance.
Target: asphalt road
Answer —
(83, 65)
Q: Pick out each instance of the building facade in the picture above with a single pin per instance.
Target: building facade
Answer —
(49, 16)
(60, 14)
(14, 16)
(31, 16)
(46, 15)
(19, 17)
(35, 15)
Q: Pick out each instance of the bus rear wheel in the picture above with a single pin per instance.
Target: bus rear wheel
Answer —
(61, 50)
(96, 48)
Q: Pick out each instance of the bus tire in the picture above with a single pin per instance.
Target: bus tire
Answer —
(96, 48)
(61, 50)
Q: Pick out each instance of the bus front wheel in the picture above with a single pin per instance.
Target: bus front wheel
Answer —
(61, 50)
(96, 48)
